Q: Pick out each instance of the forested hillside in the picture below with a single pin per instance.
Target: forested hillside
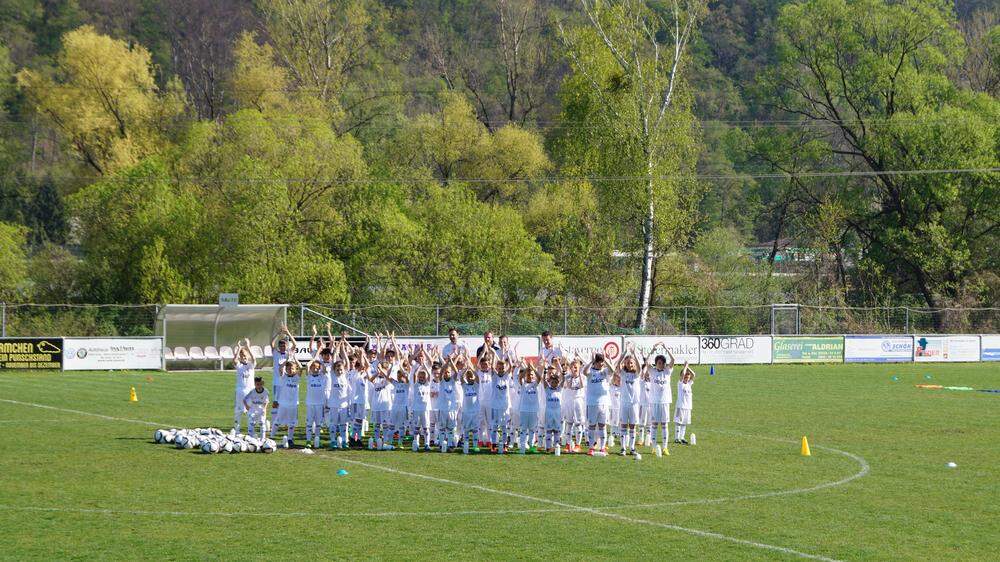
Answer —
(599, 153)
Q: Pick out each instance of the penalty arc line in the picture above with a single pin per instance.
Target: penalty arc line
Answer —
(592, 511)
(566, 506)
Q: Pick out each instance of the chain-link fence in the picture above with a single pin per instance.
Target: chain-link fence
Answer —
(134, 320)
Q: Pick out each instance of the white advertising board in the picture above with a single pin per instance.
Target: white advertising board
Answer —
(946, 348)
(990, 348)
(684, 348)
(734, 349)
(610, 346)
(102, 354)
(878, 349)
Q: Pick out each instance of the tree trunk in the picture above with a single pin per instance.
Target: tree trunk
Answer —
(648, 255)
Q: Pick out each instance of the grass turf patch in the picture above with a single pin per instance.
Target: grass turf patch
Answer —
(80, 486)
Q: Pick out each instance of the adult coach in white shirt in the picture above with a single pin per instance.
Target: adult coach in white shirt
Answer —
(549, 351)
(452, 346)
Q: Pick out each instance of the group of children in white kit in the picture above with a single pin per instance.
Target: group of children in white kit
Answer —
(444, 399)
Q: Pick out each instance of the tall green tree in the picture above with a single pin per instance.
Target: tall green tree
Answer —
(628, 79)
(13, 261)
(102, 96)
(874, 74)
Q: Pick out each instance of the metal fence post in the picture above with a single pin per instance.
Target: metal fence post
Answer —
(565, 319)
(907, 325)
(437, 320)
(685, 320)
(302, 320)
(3, 320)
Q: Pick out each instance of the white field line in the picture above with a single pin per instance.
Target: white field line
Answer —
(563, 505)
(277, 514)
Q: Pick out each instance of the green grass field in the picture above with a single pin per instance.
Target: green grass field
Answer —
(83, 486)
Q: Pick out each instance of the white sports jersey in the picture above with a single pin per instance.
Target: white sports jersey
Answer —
(257, 401)
(598, 387)
(244, 379)
(630, 389)
(450, 348)
(470, 398)
(289, 391)
(485, 387)
(340, 392)
(529, 398)
(317, 389)
(553, 399)
(400, 396)
(659, 383)
(500, 399)
(448, 398)
(421, 396)
(277, 359)
(359, 388)
(381, 395)
(684, 393)
(550, 353)
(435, 395)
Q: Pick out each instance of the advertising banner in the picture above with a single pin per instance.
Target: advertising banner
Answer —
(734, 349)
(878, 349)
(684, 348)
(946, 348)
(610, 346)
(103, 354)
(31, 353)
(990, 348)
(808, 349)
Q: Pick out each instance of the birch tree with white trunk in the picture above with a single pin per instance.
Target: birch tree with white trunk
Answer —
(639, 96)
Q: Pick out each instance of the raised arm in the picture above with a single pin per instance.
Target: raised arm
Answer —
(253, 360)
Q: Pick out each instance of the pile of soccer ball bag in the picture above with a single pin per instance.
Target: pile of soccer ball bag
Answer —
(212, 440)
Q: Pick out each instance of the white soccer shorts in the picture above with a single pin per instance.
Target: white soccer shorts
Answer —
(682, 416)
(597, 415)
(629, 414)
(659, 413)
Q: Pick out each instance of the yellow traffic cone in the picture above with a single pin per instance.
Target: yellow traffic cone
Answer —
(131, 395)
(805, 447)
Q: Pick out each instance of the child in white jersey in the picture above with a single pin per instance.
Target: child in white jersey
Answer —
(448, 402)
(503, 380)
(598, 374)
(682, 414)
(282, 349)
(420, 379)
(245, 364)
(358, 379)
(628, 379)
(339, 404)
(287, 402)
(660, 396)
(484, 374)
(471, 412)
(256, 402)
(317, 395)
(528, 407)
(553, 406)
(381, 390)
(576, 382)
